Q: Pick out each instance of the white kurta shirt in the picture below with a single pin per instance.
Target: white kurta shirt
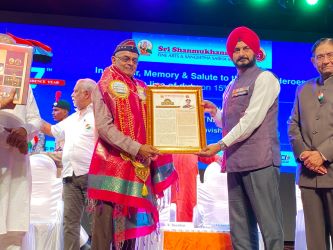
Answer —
(80, 136)
(266, 90)
(15, 175)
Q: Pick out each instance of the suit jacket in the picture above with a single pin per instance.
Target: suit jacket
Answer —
(311, 128)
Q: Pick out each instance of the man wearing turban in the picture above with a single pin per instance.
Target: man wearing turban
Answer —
(126, 175)
(251, 146)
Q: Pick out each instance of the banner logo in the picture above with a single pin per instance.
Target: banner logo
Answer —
(145, 47)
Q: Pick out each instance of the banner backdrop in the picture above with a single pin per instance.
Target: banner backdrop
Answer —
(165, 59)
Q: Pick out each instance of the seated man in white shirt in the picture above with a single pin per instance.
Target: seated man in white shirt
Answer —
(78, 130)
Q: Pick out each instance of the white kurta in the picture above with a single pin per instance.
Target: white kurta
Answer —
(15, 176)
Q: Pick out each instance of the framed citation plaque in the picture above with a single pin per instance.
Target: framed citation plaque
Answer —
(15, 63)
(175, 119)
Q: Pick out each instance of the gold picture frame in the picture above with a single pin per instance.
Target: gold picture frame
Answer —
(175, 119)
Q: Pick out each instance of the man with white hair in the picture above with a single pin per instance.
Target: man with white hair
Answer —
(78, 130)
(310, 135)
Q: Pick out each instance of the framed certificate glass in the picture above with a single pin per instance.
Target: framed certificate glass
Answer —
(15, 63)
(175, 119)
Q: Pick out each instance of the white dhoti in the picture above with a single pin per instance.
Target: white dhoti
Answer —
(15, 190)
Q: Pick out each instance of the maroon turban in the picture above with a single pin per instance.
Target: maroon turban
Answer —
(127, 45)
(246, 35)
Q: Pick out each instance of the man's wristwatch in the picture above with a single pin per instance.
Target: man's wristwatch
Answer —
(223, 146)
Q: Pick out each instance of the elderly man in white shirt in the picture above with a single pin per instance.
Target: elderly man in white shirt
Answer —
(18, 124)
(78, 130)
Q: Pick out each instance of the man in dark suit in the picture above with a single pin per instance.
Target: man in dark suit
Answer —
(311, 137)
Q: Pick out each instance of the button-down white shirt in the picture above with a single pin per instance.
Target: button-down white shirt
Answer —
(80, 137)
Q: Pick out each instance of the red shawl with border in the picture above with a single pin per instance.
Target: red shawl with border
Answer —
(113, 176)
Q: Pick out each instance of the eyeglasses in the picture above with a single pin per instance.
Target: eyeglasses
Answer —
(321, 57)
(126, 59)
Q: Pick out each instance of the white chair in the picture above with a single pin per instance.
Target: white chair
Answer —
(300, 239)
(165, 206)
(84, 237)
(212, 198)
(46, 211)
(166, 214)
(46, 208)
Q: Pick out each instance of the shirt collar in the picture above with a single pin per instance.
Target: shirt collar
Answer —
(85, 110)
